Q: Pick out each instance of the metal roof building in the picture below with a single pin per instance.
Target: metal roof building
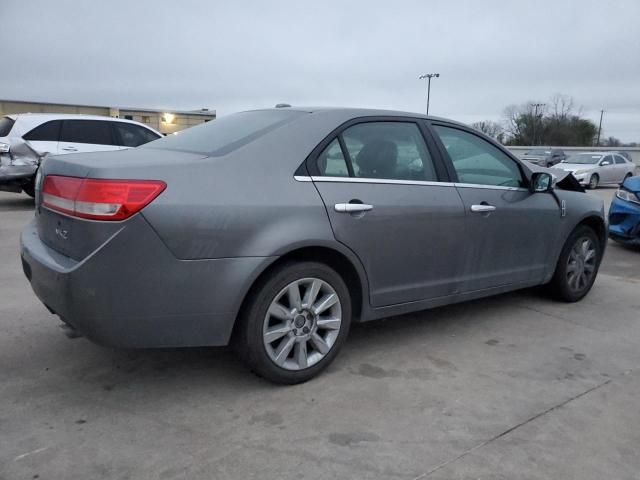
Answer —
(164, 121)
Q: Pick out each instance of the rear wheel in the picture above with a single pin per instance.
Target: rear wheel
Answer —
(593, 181)
(577, 266)
(30, 187)
(295, 322)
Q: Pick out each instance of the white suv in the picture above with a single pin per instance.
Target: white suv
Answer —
(27, 138)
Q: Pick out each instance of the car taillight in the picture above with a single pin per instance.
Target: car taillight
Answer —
(98, 199)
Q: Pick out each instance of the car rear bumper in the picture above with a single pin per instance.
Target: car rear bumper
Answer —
(9, 173)
(624, 222)
(132, 292)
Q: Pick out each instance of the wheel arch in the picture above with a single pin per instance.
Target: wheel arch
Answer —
(345, 263)
(597, 224)
(593, 221)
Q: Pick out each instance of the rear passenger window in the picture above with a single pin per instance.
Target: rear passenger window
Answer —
(47, 132)
(130, 135)
(389, 150)
(619, 159)
(97, 132)
(331, 162)
(6, 124)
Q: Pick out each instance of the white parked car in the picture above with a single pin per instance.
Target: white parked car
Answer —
(27, 138)
(598, 168)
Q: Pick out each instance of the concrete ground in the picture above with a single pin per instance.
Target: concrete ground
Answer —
(512, 387)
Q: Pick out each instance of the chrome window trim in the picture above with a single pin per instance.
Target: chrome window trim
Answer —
(303, 178)
(490, 187)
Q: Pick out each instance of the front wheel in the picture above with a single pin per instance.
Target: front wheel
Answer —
(593, 181)
(295, 322)
(577, 266)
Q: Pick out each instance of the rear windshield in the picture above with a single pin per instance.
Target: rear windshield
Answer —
(221, 136)
(6, 124)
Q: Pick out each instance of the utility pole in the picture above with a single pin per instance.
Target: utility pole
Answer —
(535, 119)
(599, 128)
(428, 76)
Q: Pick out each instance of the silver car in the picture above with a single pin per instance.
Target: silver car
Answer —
(27, 138)
(275, 229)
(598, 168)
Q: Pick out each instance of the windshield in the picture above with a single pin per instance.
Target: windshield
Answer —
(583, 159)
(539, 152)
(221, 136)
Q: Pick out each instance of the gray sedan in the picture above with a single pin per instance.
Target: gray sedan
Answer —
(274, 229)
(545, 157)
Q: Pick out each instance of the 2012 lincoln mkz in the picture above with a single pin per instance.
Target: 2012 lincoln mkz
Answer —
(276, 229)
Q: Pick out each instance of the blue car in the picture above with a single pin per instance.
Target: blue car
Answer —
(624, 214)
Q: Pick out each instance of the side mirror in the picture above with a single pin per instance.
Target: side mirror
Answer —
(605, 162)
(541, 182)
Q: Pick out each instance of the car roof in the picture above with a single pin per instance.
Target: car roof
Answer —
(348, 113)
(28, 121)
(356, 112)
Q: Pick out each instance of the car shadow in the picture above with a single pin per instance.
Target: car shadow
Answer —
(202, 368)
(19, 202)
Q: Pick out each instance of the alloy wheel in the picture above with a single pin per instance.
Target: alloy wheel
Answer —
(302, 323)
(581, 265)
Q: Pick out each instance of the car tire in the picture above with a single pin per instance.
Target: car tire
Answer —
(593, 181)
(627, 176)
(576, 269)
(30, 187)
(550, 164)
(282, 357)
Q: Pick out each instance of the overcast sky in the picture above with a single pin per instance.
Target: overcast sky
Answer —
(237, 55)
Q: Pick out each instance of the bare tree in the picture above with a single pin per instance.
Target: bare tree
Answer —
(489, 127)
(561, 106)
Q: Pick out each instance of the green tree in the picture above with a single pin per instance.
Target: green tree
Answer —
(552, 123)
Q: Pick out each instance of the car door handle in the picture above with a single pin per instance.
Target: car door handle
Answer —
(482, 208)
(69, 149)
(352, 207)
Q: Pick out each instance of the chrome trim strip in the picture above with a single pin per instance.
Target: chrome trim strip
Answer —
(489, 187)
(301, 178)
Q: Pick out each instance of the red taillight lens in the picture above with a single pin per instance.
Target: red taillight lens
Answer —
(98, 199)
